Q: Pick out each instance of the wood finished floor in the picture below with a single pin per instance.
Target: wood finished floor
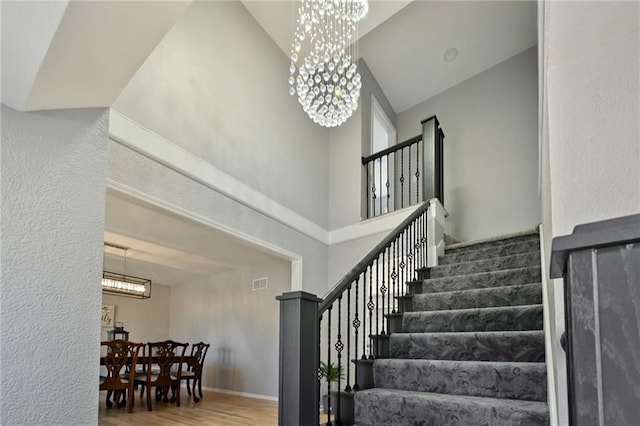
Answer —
(214, 409)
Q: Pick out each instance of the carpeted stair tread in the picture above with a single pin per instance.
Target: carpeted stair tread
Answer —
(522, 294)
(377, 407)
(507, 346)
(509, 380)
(486, 265)
(493, 242)
(503, 318)
(507, 277)
(490, 252)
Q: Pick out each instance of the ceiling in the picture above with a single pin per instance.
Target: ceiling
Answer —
(404, 42)
(167, 248)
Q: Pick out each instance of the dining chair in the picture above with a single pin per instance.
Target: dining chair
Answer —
(194, 368)
(168, 358)
(120, 355)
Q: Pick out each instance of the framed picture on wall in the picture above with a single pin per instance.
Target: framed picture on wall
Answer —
(107, 315)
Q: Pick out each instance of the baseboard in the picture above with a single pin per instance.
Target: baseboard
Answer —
(244, 394)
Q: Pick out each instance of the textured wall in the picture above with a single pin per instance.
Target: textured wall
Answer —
(490, 149)
(146, 320)
(53, 190)
(241, 325)
(591, 134)
(216, 85)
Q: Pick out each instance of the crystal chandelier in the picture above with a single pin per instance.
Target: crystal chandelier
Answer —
(323, 53)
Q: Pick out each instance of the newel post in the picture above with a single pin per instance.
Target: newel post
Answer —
(432, 160)
(299, 359)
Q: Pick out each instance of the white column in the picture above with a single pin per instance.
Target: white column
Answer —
(435, 231)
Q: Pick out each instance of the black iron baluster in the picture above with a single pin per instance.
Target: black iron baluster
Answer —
(394, 273)
(367, 190)
(389, 282)
(373, 191)
(329, 365)
(356, 326)
(364, 314)
(409, 174)
(383, 290)
(417, 172)
(377, 295)
(402, 178)
(402, 264)
(370, 307)
(395, 182)
(380, 178)
(348, 387)
(387, 184)
(339, 348)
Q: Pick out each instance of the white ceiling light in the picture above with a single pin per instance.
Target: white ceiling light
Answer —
(323, 72)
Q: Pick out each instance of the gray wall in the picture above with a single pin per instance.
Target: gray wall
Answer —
(240, 324)
(146, 320)
(490, 124)
(54, 166)
(216, 85)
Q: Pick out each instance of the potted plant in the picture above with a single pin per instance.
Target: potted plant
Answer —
(330, 373)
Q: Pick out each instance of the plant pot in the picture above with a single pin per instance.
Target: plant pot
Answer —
(346, 405)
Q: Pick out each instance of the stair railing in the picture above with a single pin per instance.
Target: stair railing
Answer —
(347, 326)
(407, 173)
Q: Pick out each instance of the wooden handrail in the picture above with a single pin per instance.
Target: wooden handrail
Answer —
(391, 149)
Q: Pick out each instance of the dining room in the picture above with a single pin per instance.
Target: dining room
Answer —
(196, 284)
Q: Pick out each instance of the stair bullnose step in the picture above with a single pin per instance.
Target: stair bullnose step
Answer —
(472, 254)
(506, 346)
(375, 407)
(516, 295)
(507, 380)
(486, 265)
(506, 277)
(504, 318)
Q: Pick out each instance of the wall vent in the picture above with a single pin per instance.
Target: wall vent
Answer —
(260, 283)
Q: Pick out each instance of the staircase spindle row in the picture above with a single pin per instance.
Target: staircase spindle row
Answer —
(370, 293)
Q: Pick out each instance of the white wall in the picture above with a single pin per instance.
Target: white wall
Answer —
(52, 218)
(491, 151)
(216, 85)
(590, 130)
(241, 325)
(146, 320)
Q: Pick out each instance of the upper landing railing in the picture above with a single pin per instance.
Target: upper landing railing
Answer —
(407, 173)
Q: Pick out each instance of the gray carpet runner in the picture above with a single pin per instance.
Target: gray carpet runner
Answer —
(471, 348)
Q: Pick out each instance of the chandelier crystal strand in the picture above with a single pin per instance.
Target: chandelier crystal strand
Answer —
(323, 73)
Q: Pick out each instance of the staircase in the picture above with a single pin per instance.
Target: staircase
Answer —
(469, 347)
